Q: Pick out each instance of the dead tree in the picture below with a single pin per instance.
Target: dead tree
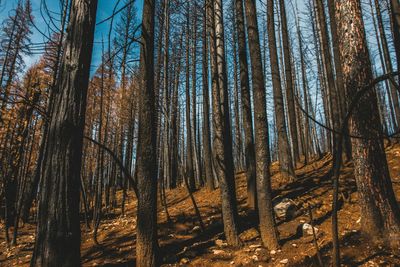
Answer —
(269, 233)
(58, 232)
(380, 213)
(147, 244)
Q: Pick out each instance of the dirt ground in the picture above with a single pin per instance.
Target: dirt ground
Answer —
(183, 243)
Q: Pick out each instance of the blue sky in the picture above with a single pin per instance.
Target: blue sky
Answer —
(105, 9)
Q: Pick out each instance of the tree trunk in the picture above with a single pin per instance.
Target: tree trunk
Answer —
(223, 158)
(189, 146)
(147, 245)
(206, 108)
(289, 83)
(269, 233)
(379, 210)
(388, 64)
(285, 158)
(246, 107)
(58, 232)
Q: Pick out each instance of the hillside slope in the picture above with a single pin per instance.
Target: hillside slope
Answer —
(183, 243)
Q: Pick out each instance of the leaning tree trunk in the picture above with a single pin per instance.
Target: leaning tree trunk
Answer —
(58, 232)
(379, 210)
(269, 233)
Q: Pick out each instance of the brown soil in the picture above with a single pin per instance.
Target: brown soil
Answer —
(182, 242)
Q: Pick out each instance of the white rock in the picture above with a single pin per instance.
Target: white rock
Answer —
(308, 229)
(220, 243)
(196, 229)
(272, 252)
(232, 262)
(255, 258)
(218, 252)
(284, 261)
(286, 208)
(254, 246)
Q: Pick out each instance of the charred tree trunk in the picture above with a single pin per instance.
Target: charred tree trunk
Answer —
(269, 233)
(379, 209)
(206, 108)
(147, 244)
(284, 153)
(58, 232)
(289, 83)
(223, 158)
(246, 106)
(189, 146)
(388, 63)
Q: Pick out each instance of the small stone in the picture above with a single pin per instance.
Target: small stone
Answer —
(218, 252)
(184, 261)
(272, 252)
(246, 261)
(294, 245)
(254, 246)
(196, 229)
(220, 243)
(285, 209)
(232, 262)
(258, 249)
(284, 261)
(249, 235)
(255, 258)
(308, 229)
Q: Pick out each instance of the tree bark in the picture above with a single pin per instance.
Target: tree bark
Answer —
(388, 64)
(380, 214)
(223, 158)
(189, 145)
(284, 153)
(269, 233)
(147, 245)
(289, 83)
(206, 108)
(58, 232)
(246, 106)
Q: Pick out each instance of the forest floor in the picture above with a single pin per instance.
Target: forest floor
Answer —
(182, 243)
